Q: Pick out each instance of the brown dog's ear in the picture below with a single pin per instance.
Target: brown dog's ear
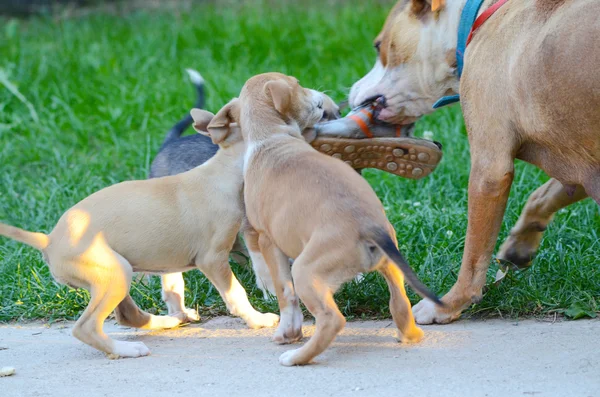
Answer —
(437, 4)
(201, 119)
(218, 128)
(281, 94)
(420, 7)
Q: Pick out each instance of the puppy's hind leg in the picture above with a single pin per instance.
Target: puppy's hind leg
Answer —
(234, 295)
(317, 295)
(108, 283)
(408, 332)
(290, 324)
(130, 315)
(173, 290)
(264, 281)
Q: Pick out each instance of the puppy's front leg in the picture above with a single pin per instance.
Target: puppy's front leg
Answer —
(173, 289)
(290, 326)
(234, 295)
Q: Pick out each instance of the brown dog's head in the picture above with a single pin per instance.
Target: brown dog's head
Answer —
(273, 98)
(222, 128)
(416, 60)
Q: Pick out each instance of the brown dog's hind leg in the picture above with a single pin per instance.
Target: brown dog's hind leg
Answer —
(400, 305)
(489, 186)
(173, 290)
(108, 283)
(592, 186)
(524, 240)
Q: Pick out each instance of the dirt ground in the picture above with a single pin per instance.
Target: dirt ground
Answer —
(223, 358)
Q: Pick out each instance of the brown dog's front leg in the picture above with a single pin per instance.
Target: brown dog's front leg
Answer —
(522, 244)
(489, 186)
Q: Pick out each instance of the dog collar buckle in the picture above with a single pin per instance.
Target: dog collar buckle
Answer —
(446, 100)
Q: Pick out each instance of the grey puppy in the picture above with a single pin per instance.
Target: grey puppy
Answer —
(180, 154)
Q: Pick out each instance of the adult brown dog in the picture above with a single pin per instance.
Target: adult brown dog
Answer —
(530, 90)
(314, 208)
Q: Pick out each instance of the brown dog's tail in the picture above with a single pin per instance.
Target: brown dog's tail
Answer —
(37, 240)
(384, 242)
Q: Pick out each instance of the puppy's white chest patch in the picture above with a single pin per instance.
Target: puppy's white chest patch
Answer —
(251, 148)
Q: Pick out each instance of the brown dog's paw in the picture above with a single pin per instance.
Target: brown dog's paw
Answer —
(519, 254)
(291, 358)
(426, 312)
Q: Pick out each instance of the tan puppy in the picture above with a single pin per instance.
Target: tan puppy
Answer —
(316, 209)
(169, 224)
(530, 90)
(172, 283)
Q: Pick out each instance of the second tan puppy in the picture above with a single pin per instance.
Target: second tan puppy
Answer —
(316, 209)
(161, 225)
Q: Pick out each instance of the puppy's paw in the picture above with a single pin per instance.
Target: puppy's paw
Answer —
(413, 335)
(287, 335)
(189, 316)
(290, 358)
(263, 320)
(290, 326)
(426, 312)
(129, 350)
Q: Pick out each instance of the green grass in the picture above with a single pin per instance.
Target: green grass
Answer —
(104, 90)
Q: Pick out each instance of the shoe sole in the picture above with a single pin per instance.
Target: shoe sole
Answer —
(410, 158)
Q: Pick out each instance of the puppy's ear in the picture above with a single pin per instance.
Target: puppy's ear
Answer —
(281, 94)
(201, 119)
(218, 128)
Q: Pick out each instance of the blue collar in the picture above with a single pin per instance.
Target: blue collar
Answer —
(467, 19)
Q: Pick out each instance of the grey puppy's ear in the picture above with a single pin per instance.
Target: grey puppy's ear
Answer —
(218, 128)
(201, 120)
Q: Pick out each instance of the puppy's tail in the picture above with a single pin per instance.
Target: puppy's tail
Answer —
(39, 241)
(384, 242)
(178, 129)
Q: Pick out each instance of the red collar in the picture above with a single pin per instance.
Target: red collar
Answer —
(484, 17)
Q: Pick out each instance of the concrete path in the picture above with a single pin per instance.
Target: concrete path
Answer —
(223, 358)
